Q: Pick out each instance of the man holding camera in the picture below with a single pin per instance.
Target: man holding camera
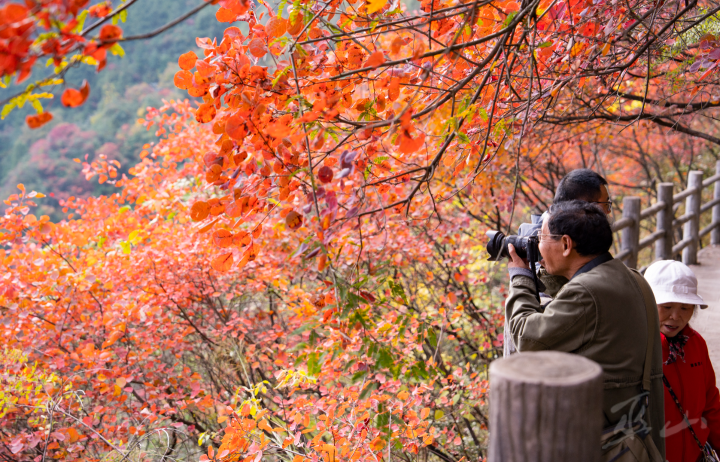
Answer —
(600, 313)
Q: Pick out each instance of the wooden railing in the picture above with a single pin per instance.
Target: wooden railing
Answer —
(666, 223)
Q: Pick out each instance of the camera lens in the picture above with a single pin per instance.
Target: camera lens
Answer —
(497, 245)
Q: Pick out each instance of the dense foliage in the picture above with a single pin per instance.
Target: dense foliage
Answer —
(293, 270)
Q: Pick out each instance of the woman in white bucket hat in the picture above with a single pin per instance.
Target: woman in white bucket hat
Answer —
(688, 374)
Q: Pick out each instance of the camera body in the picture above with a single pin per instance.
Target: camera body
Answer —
(525, 242)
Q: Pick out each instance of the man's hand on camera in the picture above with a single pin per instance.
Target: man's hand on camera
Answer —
(515, 260)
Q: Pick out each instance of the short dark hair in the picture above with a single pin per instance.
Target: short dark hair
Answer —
(581, 184)
(585, 223)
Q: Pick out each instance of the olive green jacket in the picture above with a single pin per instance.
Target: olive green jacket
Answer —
(599, 314)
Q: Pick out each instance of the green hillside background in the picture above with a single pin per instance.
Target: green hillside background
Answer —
(42, 159)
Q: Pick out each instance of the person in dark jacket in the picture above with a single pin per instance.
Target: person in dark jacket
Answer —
(600, 313)
(686, 364)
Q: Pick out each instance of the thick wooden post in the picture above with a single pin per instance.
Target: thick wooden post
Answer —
(631, 234)
(545, 407)
(691, 229)
(663, 246)
(715, 233)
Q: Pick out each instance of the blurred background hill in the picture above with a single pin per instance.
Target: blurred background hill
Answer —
(42, 159)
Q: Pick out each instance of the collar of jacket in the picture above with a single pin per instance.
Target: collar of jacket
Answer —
(597, 261)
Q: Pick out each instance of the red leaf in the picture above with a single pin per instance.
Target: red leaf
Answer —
(110, 33)
(325, 174)
(38, 120)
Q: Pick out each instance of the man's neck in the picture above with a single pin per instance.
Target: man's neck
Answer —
(577, 264)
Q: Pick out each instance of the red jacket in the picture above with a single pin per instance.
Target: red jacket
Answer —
(693, 382)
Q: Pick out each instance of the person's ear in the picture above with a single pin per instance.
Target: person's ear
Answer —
(567, 245)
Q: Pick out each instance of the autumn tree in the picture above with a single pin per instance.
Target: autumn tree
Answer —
(294, 270)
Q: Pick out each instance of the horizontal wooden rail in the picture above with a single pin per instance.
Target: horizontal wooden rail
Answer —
(651, 211)
(706, 230)
(622, 224)
(665, 209)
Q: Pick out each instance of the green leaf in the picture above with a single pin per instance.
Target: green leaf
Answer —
(314, 364)
(432, 337)
(358, 376)
(397, 290)
(544, 44)
(509, 18)
(368, 389)
(439, 414)
(385, 359)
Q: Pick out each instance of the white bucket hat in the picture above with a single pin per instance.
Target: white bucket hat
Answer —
(672, 281)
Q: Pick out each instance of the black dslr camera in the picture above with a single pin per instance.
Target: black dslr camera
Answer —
(525, 242)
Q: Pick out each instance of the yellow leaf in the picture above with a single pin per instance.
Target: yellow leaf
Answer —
(375, 5)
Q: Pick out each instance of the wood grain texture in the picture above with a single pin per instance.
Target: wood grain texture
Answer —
(545, 407)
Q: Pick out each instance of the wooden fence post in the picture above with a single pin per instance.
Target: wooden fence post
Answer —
(691, 229)
(663, 246)
(545, 407)
(631, 234)
(715, 233)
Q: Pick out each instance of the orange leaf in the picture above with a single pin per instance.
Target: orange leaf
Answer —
(223, 262)
(424, 413)
(235, 127)
(396, 45)
(263, 425)
(187, 60)
(223, 238)
(110, 33)
(394, 89)
(73, 434)
(276, 27)
(297, 26)
(183, 80)
(377, 444)
(114, 337)
(199, 211)
(74, 98)
(225, 15)
(409, 145)
(205, 113)
(257, 48)
(375, 59)
(38, 120)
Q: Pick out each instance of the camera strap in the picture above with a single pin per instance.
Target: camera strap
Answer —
(532, 257)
